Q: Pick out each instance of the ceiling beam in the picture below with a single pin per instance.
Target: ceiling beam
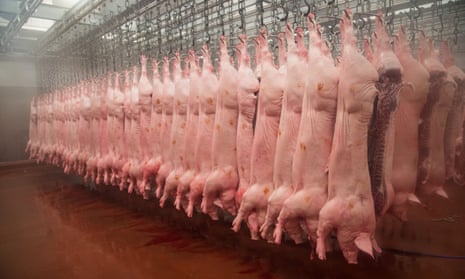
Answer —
(72, 17)
(27, 8)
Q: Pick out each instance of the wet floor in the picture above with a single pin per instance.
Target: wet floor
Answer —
(53, 227)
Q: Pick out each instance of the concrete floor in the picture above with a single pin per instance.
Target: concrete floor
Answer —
(53, 227)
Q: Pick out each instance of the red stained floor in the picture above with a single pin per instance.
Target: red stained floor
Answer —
(53, 227)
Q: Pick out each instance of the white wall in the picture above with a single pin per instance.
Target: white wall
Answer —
(17, 87)
(17, 72)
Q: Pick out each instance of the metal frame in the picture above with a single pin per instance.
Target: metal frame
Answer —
(109, 35)
(26, 9)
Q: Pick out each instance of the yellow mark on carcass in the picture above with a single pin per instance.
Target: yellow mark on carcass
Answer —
(352, 89)
(173, 142)
(350, 205)
(231, 122)
(320, 86)
(266, 190)
(303, 146)
(217, 126)
(210, 101)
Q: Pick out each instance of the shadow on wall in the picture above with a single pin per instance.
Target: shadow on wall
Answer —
(14, 121)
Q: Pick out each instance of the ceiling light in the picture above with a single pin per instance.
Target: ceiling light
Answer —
(38, 24)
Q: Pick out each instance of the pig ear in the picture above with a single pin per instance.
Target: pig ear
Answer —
(363, 242)
(414, 198)
(442, 193)
(376, 246)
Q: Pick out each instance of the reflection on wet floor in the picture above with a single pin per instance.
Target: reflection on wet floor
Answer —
(85, 237)
(52, 227)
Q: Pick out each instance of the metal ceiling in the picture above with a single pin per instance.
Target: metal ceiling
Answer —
(24, 22)
(95, 36)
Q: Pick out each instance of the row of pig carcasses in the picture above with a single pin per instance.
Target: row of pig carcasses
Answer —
(168, 133)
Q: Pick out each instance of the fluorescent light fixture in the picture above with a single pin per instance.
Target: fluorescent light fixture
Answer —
(66, 3)
(38, 24)
(3, 22)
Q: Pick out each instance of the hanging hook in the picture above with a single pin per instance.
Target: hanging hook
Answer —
(260, 11)
(311, 7)
(285, 10)
(241, 8)
(416, 11)
(456, 29)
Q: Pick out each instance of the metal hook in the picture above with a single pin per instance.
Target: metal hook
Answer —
(417, 8)
(260, 11)
(286, 12)
(310, 7)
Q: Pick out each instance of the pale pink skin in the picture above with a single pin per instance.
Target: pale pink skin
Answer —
(190, 135)
(434, 164)
(55, 128)
(135, 155)
(203, 148)
(247, 99)
(74, 143)
(86, 117)
(41, 127)
(456, 114)
(66, 133)
(272, 116)
(412, 98)
(36, 143)
(110, 156)
(73, 136)
(62, 133)
(153, 142)
(314, 141)
(165, 131)
(254, 200)
(118, 131)
(44, 128)
(73, 116)
(178, 130)
(294, 90)
(48, 151)
(32, 142)
(95, 126)
(350, 209)
(385, 60)
(128, 136)
(223, 180)
(104, 161)
(108, 133)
